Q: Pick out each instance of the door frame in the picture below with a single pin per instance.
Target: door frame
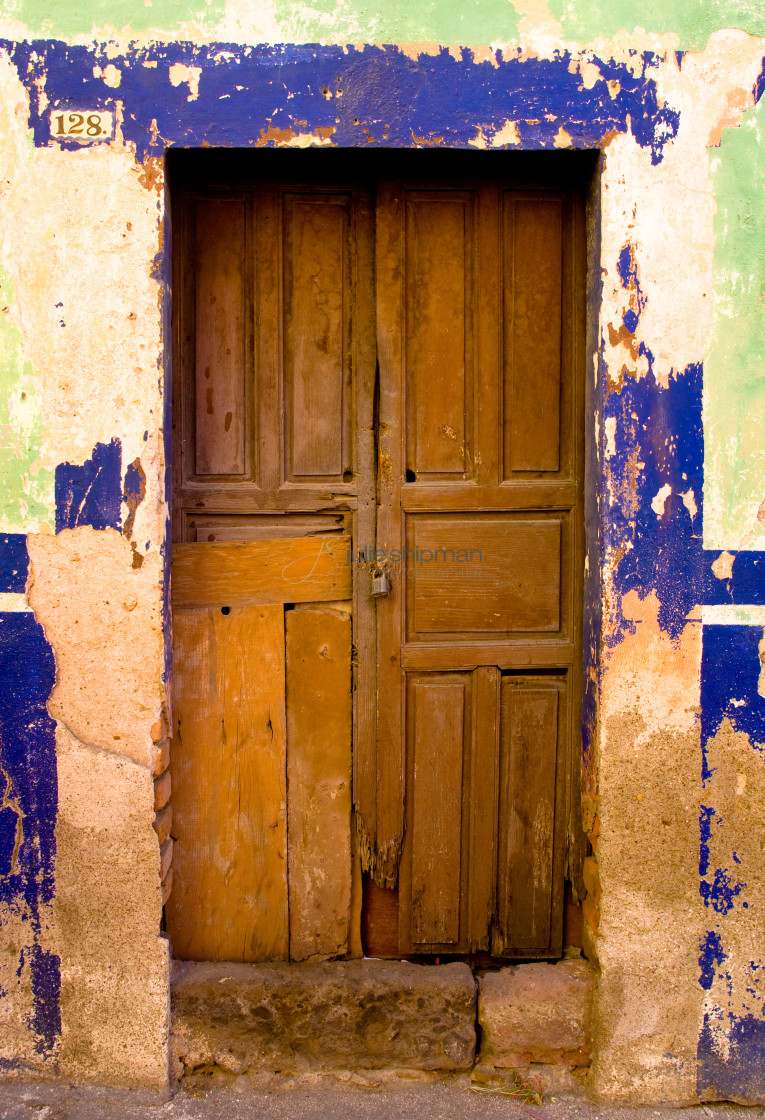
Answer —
(584, 678)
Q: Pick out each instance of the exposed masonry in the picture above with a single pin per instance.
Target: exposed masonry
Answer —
(532, 1019)
(674, 730)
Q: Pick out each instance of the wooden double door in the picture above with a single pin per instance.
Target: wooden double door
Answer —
(378, 550)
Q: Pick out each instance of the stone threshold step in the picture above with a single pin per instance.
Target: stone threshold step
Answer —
(374, 1014)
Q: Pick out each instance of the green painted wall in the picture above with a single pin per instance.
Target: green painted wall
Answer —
(395, 21)
(450, 22)
(734, 365)
(26, 491)
(59, 19)
(693, 21)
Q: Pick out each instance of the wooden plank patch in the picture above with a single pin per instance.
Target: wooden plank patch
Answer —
(319, 781)
(245, 573)
(229, 900)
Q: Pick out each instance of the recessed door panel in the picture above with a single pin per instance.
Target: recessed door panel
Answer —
(438, 312)
(474, 576)
(317, 326)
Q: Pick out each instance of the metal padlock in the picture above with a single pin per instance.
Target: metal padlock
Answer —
(380, 585)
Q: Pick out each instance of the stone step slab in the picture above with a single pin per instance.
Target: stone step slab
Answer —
(361, 1014)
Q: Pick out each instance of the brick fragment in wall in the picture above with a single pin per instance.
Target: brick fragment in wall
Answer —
(167, 886)
(161, 758)
(591, 905)
(536, 1013)
(165, 857)
(163, 822)
(162, 788)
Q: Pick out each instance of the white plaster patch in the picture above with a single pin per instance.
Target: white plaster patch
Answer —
(635, 667)
(675, 320)
(180, 73)
(110, 75)
(722, 567)
(507, 134)
(657, 504)
(689, 501)
(305, 140)
(729, 614)
(81, 586)
(13, 602)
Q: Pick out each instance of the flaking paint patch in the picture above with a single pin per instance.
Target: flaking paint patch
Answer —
(100, 613)
(733, 889)
(449, 89)
(29, 968)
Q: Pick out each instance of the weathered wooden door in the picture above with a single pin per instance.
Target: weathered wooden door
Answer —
(374, 376)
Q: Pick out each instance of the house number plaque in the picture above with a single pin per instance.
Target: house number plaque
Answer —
(85, 126)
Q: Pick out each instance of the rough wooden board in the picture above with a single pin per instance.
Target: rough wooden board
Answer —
(229, 899)
(244, 573)
(319, 782)
(355, 945)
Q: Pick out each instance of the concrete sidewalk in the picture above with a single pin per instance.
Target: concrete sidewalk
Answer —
(382, 1099)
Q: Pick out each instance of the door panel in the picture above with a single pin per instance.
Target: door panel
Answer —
(439, 716)
(221, 330)
(471, 575)
(439, 333)
(317, 333)
(532, 237)
(529, 892)
(318, 703)
(447, 879)
(484, 520)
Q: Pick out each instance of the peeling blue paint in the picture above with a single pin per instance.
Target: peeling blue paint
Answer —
(91, 494)
(659, 428)
(741, 1076)
(706, 816)
(730, 671)
(388, 98)
(28, 844)
(720, 893)
(711, 954)
(14, 562)
(46, 991)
